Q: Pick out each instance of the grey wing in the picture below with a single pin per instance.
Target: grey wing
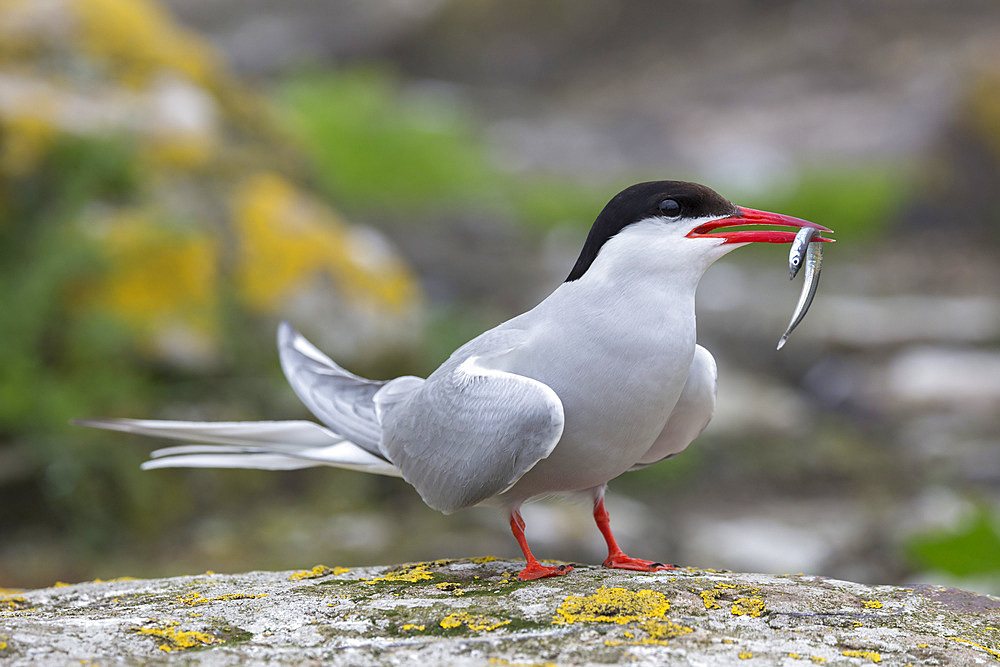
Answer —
(471, 431)
(340, 399)
(692, 412)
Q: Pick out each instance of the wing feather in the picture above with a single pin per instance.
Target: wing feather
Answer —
(340, 399)
(471, 430)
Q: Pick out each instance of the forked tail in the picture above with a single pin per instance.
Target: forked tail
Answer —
(269, 445)
(344, 402)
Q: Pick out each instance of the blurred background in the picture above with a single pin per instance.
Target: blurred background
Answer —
(396, 176)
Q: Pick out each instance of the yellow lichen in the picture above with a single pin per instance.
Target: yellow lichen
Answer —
(646, 641)
(318, 571)
(191, 599)
(871, 655)
(993, 652)
(709, 598)
(748, 607)
(175, 639)
(664, 629)
(413, 626)
(15, 603)
(483, 559)
(408, 573)
(872, 604)
(451, 587)
(923, 645)
(658, 632)
(613, 605)
(745, 655)
(476, 623)
(817, 659)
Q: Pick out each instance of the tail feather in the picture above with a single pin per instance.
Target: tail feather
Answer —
(271, 445)
(256, 461)
(341, 400)
(298, 433)
(209, 449)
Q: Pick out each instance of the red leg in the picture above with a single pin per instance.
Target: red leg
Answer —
(616, 557)
(533, 569)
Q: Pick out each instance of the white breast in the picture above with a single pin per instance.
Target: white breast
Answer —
(616, 347)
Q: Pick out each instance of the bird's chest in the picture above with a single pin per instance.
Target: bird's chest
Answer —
(624, 392)
(618, 379)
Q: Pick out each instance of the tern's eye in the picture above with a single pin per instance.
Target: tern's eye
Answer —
(670, 208)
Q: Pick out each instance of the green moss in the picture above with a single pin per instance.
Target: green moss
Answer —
(500, 588)
(229, 633)
(972, 548)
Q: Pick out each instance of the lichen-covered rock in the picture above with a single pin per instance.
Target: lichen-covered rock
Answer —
(476, 612)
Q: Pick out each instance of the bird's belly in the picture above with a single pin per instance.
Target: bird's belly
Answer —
(611, 421)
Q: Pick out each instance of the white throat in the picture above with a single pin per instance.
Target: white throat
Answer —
(654, 254)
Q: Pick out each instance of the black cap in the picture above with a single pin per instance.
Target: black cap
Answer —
(646, 200)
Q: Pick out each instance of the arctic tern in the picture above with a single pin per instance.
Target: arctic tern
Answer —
(602, 377)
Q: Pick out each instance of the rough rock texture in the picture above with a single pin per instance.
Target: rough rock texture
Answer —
(476, 612)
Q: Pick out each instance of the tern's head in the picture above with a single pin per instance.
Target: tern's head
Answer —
(675, 226)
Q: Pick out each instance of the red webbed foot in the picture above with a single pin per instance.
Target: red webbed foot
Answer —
(616, 557)
(533, 569)
(539, 571)
(622, 562)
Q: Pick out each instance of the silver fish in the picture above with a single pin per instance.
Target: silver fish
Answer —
(813, 262)
(799, 245)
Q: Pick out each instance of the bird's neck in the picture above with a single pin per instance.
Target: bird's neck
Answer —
(644, 303)
(639, 276)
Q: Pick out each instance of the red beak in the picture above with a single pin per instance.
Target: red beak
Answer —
(749, 216)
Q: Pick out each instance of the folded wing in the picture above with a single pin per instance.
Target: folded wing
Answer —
(471, 430)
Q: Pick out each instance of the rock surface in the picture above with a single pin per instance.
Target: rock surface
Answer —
(476, 612)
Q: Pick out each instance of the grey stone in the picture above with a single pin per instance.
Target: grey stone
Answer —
(476, 612)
